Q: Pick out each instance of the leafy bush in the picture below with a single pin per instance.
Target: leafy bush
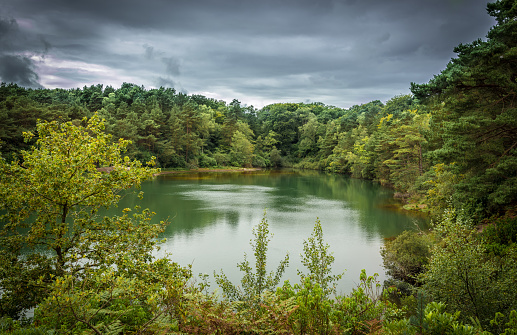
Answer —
(222, 159)
(435, 321)
(366, 308)
(259, 161)
(206, 161)
(276, 158)
(503, 231)
(465, 277)
(406, 256)
(363, 311)
(13, 327)
(145, 297)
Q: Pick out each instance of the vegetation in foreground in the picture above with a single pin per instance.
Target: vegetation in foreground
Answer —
(89, 274)
(449, 149)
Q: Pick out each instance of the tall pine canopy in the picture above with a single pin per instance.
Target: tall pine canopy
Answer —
(474, 101)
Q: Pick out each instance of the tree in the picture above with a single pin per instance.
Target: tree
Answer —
(318, 260)
(406, 256)
(463, 275)
(475, 108)
(241, 150)
(254, 283)
(185, 132)
(285, 120)
(309, 135)
(359, 157)
(401, 146)
(50, 201)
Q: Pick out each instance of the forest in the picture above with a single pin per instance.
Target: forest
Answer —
(448, 149)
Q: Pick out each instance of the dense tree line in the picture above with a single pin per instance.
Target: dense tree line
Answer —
(450, 149)
(399, 144)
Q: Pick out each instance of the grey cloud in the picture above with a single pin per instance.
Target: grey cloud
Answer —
(8, 27)
(165, 82)
(172, 66)
(149, 51)
(16, 47)
(18, 69)
(10, 35)
(322, 50)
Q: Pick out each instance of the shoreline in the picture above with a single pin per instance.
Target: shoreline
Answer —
(207, 170)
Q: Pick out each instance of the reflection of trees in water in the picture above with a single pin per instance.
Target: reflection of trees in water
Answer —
(196, 200)
(232, 217)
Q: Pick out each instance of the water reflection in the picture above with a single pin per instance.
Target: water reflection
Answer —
(211, 218)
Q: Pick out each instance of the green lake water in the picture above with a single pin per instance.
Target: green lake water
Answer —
(211, 216)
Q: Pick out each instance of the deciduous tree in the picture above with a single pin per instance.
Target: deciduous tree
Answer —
(50, 201)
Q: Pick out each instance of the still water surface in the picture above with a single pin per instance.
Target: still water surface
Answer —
(211, 217)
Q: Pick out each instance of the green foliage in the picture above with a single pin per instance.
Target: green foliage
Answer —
(255, 280)
(318, 260)
(441, 185)
(312, 294)
(363, 311)
(366, 308)
(505, 325)
(401, 143)
(49, 205)
(464, 276)
(186, 130)
(406, 256)
(502, 231)
(284, 120)
(146, 299)
(314, 309)
(500, 236)
(206, 161)
(10, 326)
(276, 158)
(435, 321)
(241, 150)
(476, 115)
(309, 135)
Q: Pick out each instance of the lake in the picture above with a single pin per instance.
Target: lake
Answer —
(211, 217)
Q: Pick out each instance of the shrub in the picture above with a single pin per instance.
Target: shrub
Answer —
(406, 256)
(467, 278)
(435, 321)
(222, 159)
(206, 161)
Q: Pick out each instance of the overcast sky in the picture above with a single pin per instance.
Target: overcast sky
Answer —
(339, 52)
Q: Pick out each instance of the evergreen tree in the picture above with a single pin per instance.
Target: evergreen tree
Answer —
(475, 107)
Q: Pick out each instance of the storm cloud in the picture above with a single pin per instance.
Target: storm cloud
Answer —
(340, 52)
(17, 50)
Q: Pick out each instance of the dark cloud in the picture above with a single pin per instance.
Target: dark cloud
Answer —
(339, 52)
(7, 27)
(165, 82)
(172, 66)
(16, 49)
(149, 51)
(9, 34)
(18, 69)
